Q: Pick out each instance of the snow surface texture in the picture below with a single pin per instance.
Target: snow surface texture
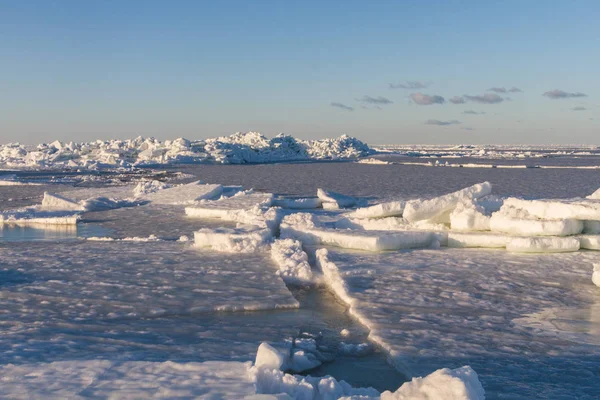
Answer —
(431, 309)
(214, 380)
(239, 148)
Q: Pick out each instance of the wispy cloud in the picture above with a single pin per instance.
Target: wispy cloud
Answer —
(426, 99)
(342, 106)
(515, 90)
(457, 100)
(375, 100)
(561, 94)
(497, 89)
(486, 98)
(441, 123)
(579, 108)
(410, 85)
(467, 128)
(473, 112)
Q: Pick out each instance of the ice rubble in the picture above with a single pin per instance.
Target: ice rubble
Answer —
(444, 384)
(250, 147)
(298, 203)
(292, 261)
(245, 239)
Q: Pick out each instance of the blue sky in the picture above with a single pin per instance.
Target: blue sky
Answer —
(81, 70)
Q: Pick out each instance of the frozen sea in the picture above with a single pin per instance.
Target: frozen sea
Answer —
(529, 325)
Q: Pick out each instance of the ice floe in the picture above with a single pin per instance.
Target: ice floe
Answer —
(333, 200)
(246, 239)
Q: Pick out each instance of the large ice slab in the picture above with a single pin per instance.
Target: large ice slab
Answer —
(104, 379)
(431, 309)
(53, 201)
(352, 239)
(416, 210)
(582, 209)
(388, 209)
(248, 239)
(478, 239)
(543, 245)
(35, 217)
(184, 194)
(222, 208)
(335, 200)
(503, 223)
(119, 279)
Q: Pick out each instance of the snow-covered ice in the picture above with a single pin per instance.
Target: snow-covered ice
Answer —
(292, 261)
(389, 209)
(543, 245)
(334, 200)
(247, 239)
(416, 210)
(431, 309)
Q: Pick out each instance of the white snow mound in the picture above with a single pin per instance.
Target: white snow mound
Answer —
(292, 261)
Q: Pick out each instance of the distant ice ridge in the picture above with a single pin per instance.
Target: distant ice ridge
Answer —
(239, 148)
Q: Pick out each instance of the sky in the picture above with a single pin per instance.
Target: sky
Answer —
(432, 72)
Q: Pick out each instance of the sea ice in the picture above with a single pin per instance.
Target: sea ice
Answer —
(430, 309)
(582, 209)
(335, 200)
(53, 202)
(589, 242)
(298, 203)
(416, 210)
(478, 239)
(246, 239)
(389, 209)
(534, 227)
(543, 245)
(469, 216)
(184, 194)
(292, 261)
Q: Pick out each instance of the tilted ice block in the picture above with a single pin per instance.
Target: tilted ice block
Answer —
(534, 227)
(341, 200)
(292, 261)
(34, 217)
(543, 245)
(416, 210)
(591, 227)
(389, 209)
(185, 194)
(360, 240)
(298, 204)
(558, 209)
(589, 242)
(53, 201)
(469, 216)
(595, 195)
(239, 240)
(478, 239)
(220, 208)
